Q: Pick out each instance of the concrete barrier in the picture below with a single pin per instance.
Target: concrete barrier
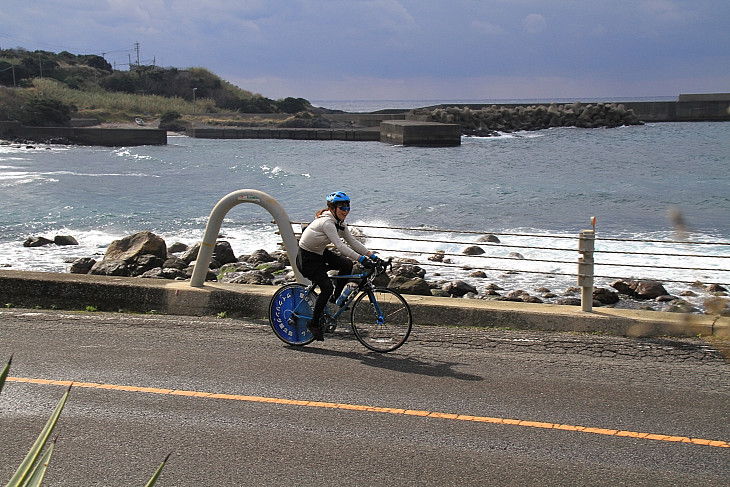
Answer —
(79, 291)
(363, 134)
(411, 132)
(86, 136)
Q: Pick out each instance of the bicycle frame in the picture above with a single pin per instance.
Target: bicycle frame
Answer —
(363, 286)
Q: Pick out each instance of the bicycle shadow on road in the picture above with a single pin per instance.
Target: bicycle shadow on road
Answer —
(435, 368)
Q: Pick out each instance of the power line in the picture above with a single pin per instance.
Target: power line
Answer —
(58, 47)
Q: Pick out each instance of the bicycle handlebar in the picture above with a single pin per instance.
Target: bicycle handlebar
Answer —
(380, 268)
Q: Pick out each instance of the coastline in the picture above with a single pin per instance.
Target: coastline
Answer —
(126, 294)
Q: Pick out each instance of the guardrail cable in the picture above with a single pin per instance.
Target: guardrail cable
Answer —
(525, 246)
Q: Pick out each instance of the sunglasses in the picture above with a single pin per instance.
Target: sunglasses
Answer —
(343, 208)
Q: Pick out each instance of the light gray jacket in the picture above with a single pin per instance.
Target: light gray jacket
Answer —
(323, 231)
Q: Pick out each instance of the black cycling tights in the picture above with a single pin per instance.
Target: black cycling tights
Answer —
(314, 267)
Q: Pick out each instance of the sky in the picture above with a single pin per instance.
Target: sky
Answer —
(401, 49)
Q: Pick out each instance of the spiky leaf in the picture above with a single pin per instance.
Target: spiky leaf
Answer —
(158, 472)
(4, 374)
(21, 475)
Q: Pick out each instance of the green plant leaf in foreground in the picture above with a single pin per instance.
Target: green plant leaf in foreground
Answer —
(25, 468)
(4, 374)
(158, 472)
(40, 469)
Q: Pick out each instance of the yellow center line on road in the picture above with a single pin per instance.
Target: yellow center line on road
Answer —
(375, 409)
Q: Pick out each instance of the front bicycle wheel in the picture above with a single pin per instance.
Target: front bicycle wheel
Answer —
(290, 310)
(381, 320)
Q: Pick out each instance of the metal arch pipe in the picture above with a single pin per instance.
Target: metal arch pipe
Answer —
(215, 220)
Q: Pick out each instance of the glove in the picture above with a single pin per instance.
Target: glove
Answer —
(365, 262)
(376, 260)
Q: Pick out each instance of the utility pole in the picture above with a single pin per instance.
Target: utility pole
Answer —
(136, 45)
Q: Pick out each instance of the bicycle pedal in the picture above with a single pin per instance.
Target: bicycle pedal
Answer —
(328, 325)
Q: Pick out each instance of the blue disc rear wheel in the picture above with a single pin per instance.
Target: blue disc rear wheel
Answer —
(290, 310)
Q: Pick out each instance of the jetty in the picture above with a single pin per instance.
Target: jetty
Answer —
(409, 127)
(109, 137)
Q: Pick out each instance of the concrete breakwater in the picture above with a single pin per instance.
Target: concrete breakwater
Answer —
(490, 120)
(709, 107)
(108, 137)
(355, 134)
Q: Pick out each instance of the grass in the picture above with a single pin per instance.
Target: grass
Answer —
(117, 107)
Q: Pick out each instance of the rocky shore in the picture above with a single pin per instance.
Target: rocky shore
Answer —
(147, 255)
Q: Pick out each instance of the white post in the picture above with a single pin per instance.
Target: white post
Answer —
(586, 246)
(215, 220)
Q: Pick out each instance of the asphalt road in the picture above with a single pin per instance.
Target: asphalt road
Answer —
(236, 406)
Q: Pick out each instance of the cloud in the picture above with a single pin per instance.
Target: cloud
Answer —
(325, 49)
(534, 23)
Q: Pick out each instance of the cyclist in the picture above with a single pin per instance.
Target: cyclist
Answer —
(314, 259)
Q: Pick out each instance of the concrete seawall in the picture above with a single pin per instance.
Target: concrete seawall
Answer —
(355, 135)
(110, 137)
(79, 291)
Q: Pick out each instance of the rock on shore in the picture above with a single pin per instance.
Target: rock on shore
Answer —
(146, 255)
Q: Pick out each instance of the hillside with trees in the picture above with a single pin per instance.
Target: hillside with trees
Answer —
(45, 88)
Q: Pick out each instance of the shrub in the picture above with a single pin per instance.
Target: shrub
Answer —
(40, 111)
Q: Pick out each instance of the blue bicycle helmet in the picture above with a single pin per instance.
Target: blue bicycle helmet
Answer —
(338, 197)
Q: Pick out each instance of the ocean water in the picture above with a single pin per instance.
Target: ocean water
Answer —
(536, 189)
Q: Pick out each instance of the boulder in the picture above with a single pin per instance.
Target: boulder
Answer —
(222, 254)
(716, 288)
(473, 250)
(36, 242)
(649, 290)
(640, 289)
(605, 296)
(165, 273)
(82, 265)
(259, 257)
(110, 267)
(177, 247)
(488, 238)
(438, 256)
(175, 263)
(408, 271)
(247, 277)
(458, 288)
(144, 263)
(64, 240)
(131, 247)
(406, 285)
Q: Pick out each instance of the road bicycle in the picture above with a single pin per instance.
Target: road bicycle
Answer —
(380, 318)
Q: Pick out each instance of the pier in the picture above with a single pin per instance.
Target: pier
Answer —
(116, 137)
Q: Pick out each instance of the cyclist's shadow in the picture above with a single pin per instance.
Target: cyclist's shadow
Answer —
(435, 368)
